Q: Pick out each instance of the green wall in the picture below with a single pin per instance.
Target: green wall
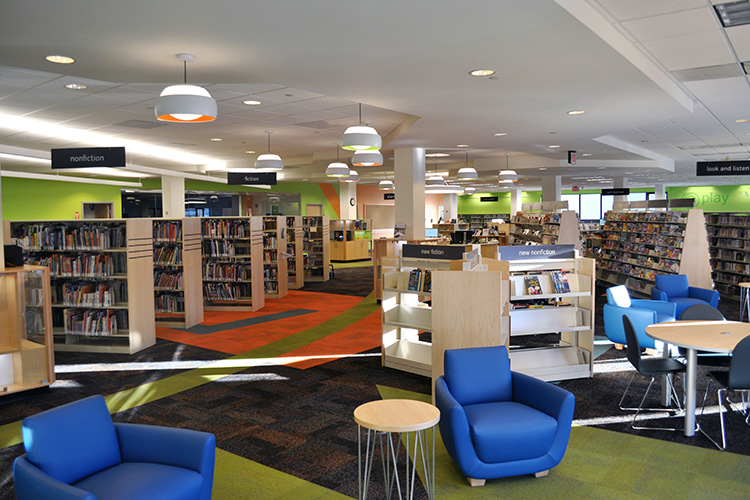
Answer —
(715, 198)
(40, 199)
(471, 204)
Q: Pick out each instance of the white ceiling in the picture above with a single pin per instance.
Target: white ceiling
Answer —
(660, 81)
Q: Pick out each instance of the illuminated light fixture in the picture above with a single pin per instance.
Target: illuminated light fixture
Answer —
(365, 158)
(435, 180)
(742, 120)
(385, 185)
(445, 189)
(500, 134)
(250, 151)
(269, 161)
(215, 139)
(576, 112)
(436, 155)
(58, 59)
(361, 137)
(467, 173)
(337, 169)
(507, 176)
(185, 103)
(251, 102)
(554, 146)
(352, 177)
(733, 13)
(482, 72)
(470, 190)
(76, 86)
(462, 145)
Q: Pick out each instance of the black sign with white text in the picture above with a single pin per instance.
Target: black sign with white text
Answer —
(389, 196)
(487, 198)
(739, 167)
(616, 192)
(88, 157)
(441, 252)
(251, 178)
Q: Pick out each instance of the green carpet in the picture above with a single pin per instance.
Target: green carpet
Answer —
(602, 464)
(354, 263)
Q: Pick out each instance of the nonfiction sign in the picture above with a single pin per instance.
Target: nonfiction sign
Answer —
(441, 252)
(251, 178)
(88, 157)
(536, 252)
(739, 167)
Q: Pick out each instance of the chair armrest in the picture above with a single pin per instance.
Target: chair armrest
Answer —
(33, 484)
(543, 396)
(184, 448)
(659, 306)
(454, 428)
(657, 294)
(710, 296)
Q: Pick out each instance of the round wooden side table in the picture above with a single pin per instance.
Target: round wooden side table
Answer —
(397, 418)
(744, 300)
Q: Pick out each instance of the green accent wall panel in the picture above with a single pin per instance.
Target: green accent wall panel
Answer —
(472, 204)
(715, 198)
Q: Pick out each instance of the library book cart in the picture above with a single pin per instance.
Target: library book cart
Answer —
(26, 358)
(101, 273)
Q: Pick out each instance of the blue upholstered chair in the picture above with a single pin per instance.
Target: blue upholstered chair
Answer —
(75, 451)
(675, 288)
(640, 312)
(498, 423)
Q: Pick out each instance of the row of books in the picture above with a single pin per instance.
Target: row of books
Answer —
(270, 242)
(649, 239)
(643, 227)
(420, 280)
(56, 236)
(89, 294)
(632, 270)
(641, 248)
(271, 287)
(226, 272)
(270, 273)
(169, 304)
(731, 232)
(220, 248)
(665, 217)
(168, 280)
(730, 278)
(717, 253)
(34, 297)
(91, 322)
(171, 256)
(734, 267)
(270, 223)
(34, 322)
(226, 292)
(270, 256)
(84, 265)
(731, 243)
(167, 231)
(729, 220)
(222, 228)
(670, 266)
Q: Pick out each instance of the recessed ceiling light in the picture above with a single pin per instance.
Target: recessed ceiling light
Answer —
(436, 155)
(482, 72)
(733, 13)
(554, 146)
(576, 112)
(58, 59)
(75, 86)
(251, 102)
(250, 151)
(742, 120)
(462, 145)
(585, 154)
(542, 168)
(216, 139)
(500, 134)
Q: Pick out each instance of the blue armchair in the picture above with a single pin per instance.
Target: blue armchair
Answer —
(498, 423)
(640, 312)
(75, 451)
(675, 288)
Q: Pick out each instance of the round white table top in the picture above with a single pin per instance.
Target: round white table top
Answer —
(711, 336)
(396, 415)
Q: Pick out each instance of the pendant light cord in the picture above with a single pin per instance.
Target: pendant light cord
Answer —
(184, 71)
(360, 113)
(269, 142)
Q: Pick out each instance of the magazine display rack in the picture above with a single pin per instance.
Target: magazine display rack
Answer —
(558, 228)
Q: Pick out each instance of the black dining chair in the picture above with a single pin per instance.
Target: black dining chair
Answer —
(705, 312)
(649, 367)
(736, 379)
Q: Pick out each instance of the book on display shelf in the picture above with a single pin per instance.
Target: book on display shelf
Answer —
(533, 286)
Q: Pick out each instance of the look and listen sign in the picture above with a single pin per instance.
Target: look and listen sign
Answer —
(88, 157)
(739, 167)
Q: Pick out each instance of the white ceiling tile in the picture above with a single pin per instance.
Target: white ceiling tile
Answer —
(739, 36)
(671, 25)
(624, 10)
(707, 48)
(289, 94)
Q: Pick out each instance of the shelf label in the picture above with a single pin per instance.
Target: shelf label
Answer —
(88, 157)
(536, 252)
(440, 252)
(251, 178)
(740, 167)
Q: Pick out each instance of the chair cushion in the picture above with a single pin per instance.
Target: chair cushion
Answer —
(660, 366)
(72, 441)
(138, 480)
(618, 296)
(478, 374)
(685, 302)
(508, 431)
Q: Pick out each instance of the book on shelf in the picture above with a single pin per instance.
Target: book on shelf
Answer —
(414, 278)
(560, 280)
(533, 286)
(427, 281)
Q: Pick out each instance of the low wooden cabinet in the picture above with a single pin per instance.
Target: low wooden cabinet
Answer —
(26, 358)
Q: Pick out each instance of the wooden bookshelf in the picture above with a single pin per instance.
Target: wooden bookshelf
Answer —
(729, 247)
(232, 263)
(275, 276)
(555, 228)
(295, 254)
(316, 247)
(178, 284)
(26, 357)
(351, 239)
(102, 280)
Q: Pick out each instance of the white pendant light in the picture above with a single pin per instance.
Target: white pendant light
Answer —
(337, 169)
(507, 176)
(361, 137)
(365, 158)
(444, 189)
(467, 173)
(470, 190)
(386, 185)
(435, 180)
(269, 161)
(185, 103)
(352, 177)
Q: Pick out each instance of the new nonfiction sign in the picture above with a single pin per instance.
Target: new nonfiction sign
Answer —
(441, 252)
(251, 178)
(537, 252)
(739, 167)
(88, 157)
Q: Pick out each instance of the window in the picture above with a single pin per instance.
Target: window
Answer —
(591, 207)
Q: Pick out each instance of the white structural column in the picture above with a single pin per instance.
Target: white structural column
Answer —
(173, 196)
(450, 205)
(620, 183)
(348, 200)
(660, 192)
(516, 203)
(551, 188)
(409, 183)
